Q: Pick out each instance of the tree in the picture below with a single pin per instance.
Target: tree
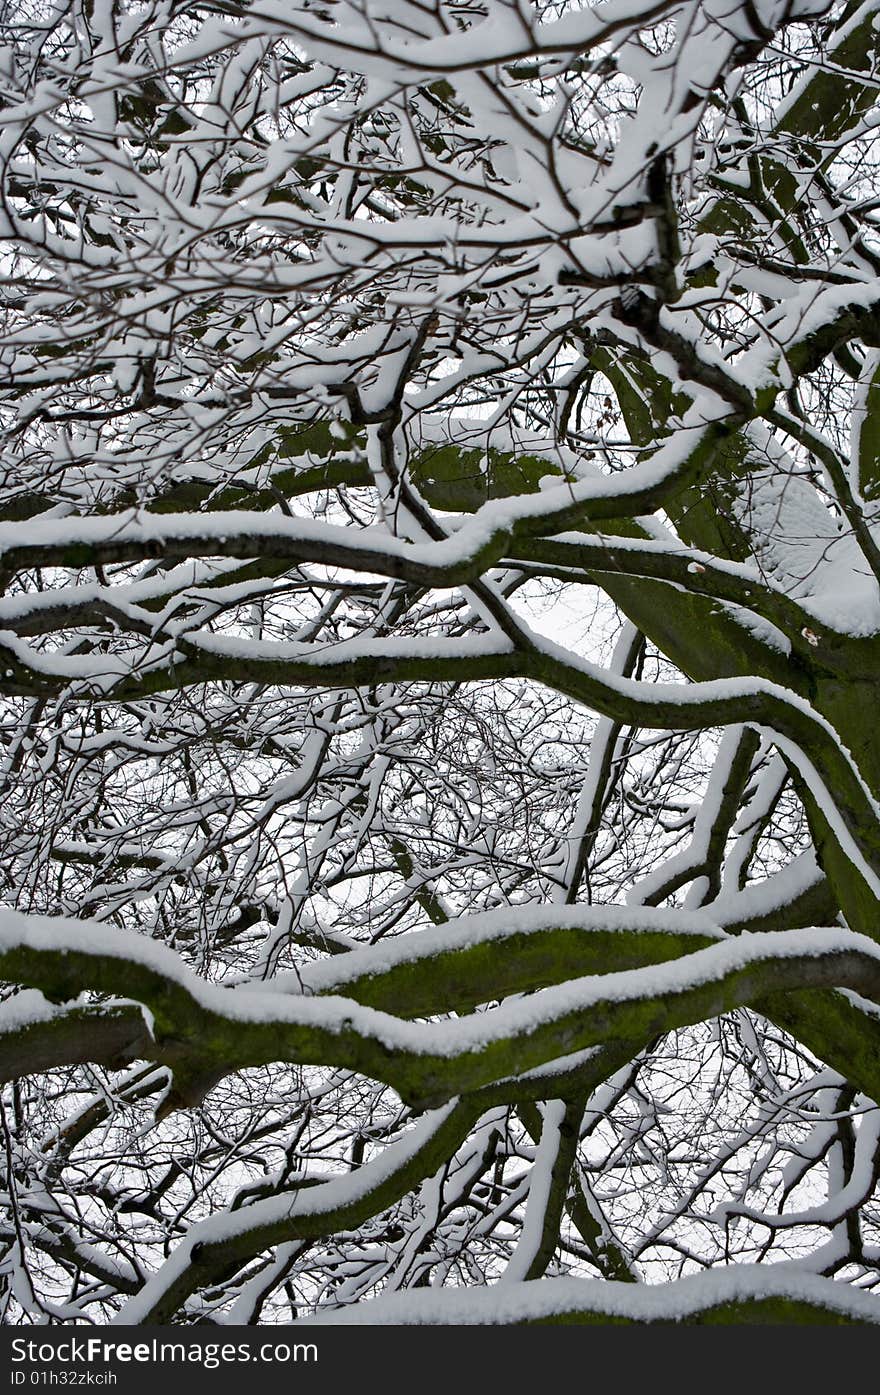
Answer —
(439, 527)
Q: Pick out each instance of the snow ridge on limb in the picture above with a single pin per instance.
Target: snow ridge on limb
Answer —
(204, 1030)
(749, 1293)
